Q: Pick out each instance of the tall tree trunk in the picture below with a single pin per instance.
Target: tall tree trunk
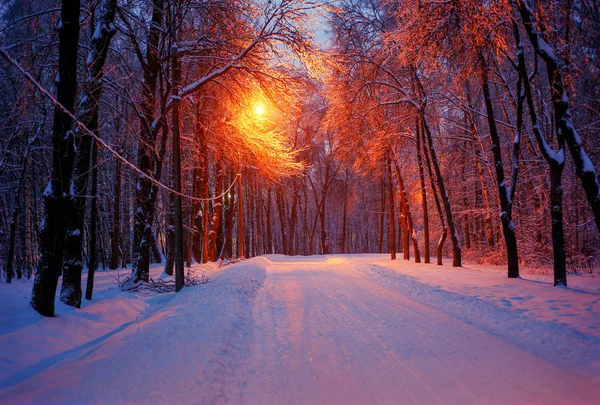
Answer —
(556, 162)
(229, 217)
(344, 216)
(269, 226)
(148, 159)
(489, 226)
(324, 236)
(382, 215)
(206, 203)
(407, 220)
(216, 219)
(427, 253)
(115, 243)
(392, 219)
(15, 214)
(282, 216)
(176, 77)
(52, 231)
(508, 227)
(241, 253)
(93, 262)
(199, 191)
(170, 242)
(221, 228)
(193, 233)
(456, 249)
(293, 219)
(558, 233)
(70, 292)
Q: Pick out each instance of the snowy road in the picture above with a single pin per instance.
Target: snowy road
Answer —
(325, 334)
(306, 332)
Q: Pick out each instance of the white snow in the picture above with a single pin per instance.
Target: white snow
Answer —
(319, 329)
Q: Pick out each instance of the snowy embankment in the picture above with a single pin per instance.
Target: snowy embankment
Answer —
(44, 354)
(559, 325)
(334, 329)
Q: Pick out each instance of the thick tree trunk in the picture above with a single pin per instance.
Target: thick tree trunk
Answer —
(556, 162)
(52, 231)
(148, 160)
(558, 233)
(508, 227)
(75, 215)
(178, 251)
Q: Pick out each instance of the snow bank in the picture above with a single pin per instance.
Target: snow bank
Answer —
(550, 340)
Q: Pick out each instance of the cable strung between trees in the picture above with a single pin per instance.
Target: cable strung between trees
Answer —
(82, 127)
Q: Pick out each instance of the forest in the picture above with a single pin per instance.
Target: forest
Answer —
(137, 132)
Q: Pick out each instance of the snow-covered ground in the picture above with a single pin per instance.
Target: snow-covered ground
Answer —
(335, 329)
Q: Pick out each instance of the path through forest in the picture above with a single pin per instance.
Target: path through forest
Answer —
(318, 330)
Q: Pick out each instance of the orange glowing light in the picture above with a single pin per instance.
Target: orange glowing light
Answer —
(259, 110)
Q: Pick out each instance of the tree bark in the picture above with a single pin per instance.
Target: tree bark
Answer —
(178, 251)
(456, 249)
(229, 217)
(93, 262)
(217, 212)
(15, 214)
(407, 220)
(282, 219)
(382, 215)
(52, 231)
(269, 226)
(241, 253)
(115, 243)
(508, 227)
(392, 219)
(427, 254)
(148, 159)
(556, 162)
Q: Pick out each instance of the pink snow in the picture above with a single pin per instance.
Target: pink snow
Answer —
(319, 329)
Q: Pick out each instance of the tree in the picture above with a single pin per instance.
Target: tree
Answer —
(53, 231)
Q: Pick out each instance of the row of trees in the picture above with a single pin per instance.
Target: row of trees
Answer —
(198, 130)
(491, 91)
